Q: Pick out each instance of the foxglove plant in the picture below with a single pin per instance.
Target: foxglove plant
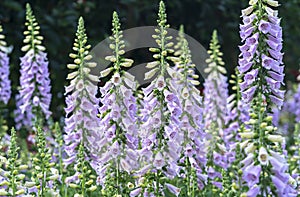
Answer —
(114, 150)
(81, 120)
(5, 84)
(58, 153)
(260, 63)
(12, 176)
(34, 80)
(44, 175)
(193, 158)
(83, 181)
(238, 113)
(160, 132)
(215, 115)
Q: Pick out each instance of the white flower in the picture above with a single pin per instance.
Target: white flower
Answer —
(263, 156)
(116, 79)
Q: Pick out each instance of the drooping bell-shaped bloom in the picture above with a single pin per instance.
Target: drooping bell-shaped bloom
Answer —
(22, 119)
(34, 80)
(5, 84)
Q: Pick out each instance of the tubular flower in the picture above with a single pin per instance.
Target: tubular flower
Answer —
(34, 80)
(5, 84)
(22, 119)
(260, 60)
(193, 157)
(81, 122)
(116, 143)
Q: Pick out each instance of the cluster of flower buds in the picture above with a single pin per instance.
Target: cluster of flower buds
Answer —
(44, 175)
(12, 173)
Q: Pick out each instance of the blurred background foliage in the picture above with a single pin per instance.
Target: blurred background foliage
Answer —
(58, 20)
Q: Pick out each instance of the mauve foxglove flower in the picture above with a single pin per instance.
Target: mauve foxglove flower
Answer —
(261, 67)
(160, 127)
(215, 111)
(34, 79)
(255, 61)
(22, 119)
(81, 122)
(193, 157)
(215, 88)
(5, 84)
(114, 147)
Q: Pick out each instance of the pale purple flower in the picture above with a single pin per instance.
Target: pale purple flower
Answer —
(22, 119)
(35, 83)
(173, 189)
(251, 175)
(266, 30)
(253, 191)
(5, 84)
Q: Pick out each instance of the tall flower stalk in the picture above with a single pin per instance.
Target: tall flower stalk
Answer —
(215, 115)
(260, 64)
(81, 122)
(5, 83)
(193, 158)
(13, 178)
(115, 156)
(44, 174)
(34, 80)
(81, 112)
(160, 133)
(238, 113)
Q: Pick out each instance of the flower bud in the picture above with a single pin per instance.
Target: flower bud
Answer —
(20, 176)
(92, 188)
(29, 184)
(275, 138)
(21, 191)
(72, 185)
(272, 3)
(3, 192)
